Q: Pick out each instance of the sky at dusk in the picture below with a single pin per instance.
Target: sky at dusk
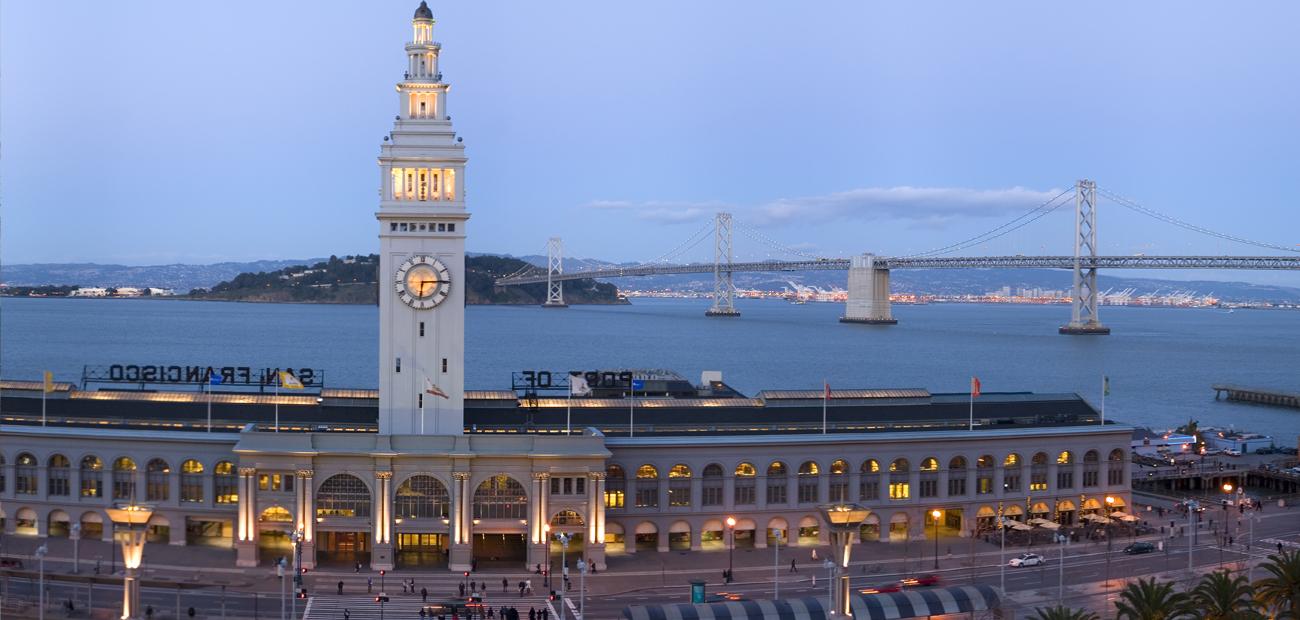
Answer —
(158, 132)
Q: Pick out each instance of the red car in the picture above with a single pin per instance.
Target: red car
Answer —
(920, 581)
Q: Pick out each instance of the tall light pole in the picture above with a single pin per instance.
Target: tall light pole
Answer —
(842, 520)
(934, 515)
(1223, 540)
(1110, 503)
(40, 587)
(731, 547)
(76, 548)
(134, 517)
(563, 539)
(582, 588)
(776, 564)
(297, 538)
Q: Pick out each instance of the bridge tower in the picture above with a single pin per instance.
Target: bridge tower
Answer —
(724, 289)
(868, 299)
(554, 267)
(1083, 305)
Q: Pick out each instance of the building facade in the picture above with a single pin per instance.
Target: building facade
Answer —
(432, 484)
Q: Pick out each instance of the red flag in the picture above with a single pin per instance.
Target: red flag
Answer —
(827, 388)
(974, 387)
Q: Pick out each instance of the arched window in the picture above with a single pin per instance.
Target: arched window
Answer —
(1011, 472)
(957, 476)
(615, 486)
(191, 481)
(566, 517)
(984, 475)
(58, 476)
(224, 487)
(1091, 467)
(647, 487)
(343, 495)
(1065, 470)
(25, 474)
(808, 473)
(899, 465)
(777, 486)
(745, 485)
(422, 497)
(1038, 472)
(930, 464)
(929, 478)
(500, 497)
(839, 482)
(1115, 467)
(92, 477)
(900, 487)
(679, 486)
(711, 486)
(869, 485)
(157, 486)
(124, 478)
(276, 514)
(1064, 458)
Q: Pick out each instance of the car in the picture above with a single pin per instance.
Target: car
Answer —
(919, 581)
(1027, 559)
(891, 586)
(1139, 547)
(1231, 452)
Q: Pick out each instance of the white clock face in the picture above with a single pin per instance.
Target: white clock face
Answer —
(422, 282)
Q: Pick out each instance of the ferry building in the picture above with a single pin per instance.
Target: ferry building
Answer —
(422, 473)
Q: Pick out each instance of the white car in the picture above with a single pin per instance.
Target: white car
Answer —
(1027, 559)
(1232, 452)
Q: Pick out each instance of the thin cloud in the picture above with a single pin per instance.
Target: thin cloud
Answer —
(922, 207)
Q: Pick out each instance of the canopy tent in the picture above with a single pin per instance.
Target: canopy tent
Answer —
(916, 603)
(1016, 525)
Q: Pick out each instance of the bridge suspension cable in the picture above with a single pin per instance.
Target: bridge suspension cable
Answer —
(1132, 205)
(758, 236)
(685, 246)
(1019, 222)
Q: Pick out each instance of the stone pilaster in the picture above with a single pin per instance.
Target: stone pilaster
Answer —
(461, 554)
(595, 535)
(307, 516)
(246, 529)
(381, 552)
(538, 519)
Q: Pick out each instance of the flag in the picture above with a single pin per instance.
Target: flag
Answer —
(49, 382)
(578, 386)
(287, 380)
(433, 390)
(826, 390)
(974, 387)
(214, 377)
(1105, 385)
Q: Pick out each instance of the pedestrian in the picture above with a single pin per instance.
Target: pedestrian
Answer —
(814, 554)
(357, 569)
(539, 569)
(505, 585)
(532, 613)
(1279, 547)
(473, 565)
(346, 613)
(521, 589)
(546, 613)
(424, 595)
(473, 586)
(462, 589)
(421, 613)
(489, 612)
(794, 567)
(148, 611)
(340, 588)
(370, 585)
(528, 584)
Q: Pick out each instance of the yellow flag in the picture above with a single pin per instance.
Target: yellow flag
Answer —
(49, 382)
(288, 381)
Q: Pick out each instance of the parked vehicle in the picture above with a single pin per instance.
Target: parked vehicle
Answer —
(1027, 559)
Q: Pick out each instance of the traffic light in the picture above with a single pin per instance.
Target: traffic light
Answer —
(381, 598)
(466, 573)
(1241, 508)
(302, 593)
(382, 572)
(302, 570)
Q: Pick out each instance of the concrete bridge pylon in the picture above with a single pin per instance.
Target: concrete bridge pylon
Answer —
(868, 300)
(554, 267)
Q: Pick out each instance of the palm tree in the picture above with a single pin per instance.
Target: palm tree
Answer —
(1061, 612)
(1280, 590)
(1221, 596)
(1149, 599)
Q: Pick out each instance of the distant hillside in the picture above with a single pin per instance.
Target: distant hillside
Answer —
(353, 280)
(177, 277)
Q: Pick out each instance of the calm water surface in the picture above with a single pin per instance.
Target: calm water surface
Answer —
(1161, 361)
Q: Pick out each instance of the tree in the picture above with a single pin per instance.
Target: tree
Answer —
(1221, 596)
(1149, 599)
(1061, 612)
(1280, 590)
(1193, 428)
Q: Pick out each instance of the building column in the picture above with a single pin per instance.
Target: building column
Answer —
(697, 493)
(174, 488)
(999, 481)
(381, 552)
(595, 543)
(760, 492)
(246, 529)
(791, 488)
(944, 477)
(728, 493)
(823, 488)
(462, 510)
(307, 516)
(853, 494)
(538, 519)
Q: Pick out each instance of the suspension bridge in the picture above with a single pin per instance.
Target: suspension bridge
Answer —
(868, 275)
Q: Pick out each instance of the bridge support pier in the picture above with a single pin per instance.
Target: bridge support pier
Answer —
(1083, 302)
(868, 300)
(554, 267)
(724, 289)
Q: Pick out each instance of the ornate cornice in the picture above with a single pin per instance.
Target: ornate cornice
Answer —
(306, 473)
(596, 475)
(247, 471)
(460, 475)
(541, 475)
(384, 475)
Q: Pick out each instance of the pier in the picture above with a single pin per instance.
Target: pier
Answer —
(1275, 398)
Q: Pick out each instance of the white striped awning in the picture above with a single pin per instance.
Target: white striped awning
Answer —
(910, 603)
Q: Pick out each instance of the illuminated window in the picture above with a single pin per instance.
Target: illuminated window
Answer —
(223, 483)
(500, 497)
(25, 474)
(615, 486)
(984, 475)
(449, 187)
(808, 474)
(343, 495)
(124, 478)
(679, 486)
(744, 492)
(899, 490)
(92, 477)
(899, 465)
(777, 485)
(191, 481)
(647, 487)
(157, 480)
(276, 514)
(1064, 458)
(839, 482)
(422, 497)
(58, 476)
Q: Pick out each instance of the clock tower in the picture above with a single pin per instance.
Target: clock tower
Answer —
(422, 226)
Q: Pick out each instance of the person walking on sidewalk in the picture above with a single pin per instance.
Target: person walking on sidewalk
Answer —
(370, 585)
(505, 585)
(794, 565)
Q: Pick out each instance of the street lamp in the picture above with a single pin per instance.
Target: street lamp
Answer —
(76, 548)
(297, 537)
(563, 539)
(934, 515)
(842, 519)
(1223, 540)
(582, 588)
(133, 517)
(731, 549)
(1110, 503)
(40, 587)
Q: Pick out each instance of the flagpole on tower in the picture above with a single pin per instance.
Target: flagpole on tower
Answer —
(278, 378)
(974, 393)
(1105, 389)
(209, 403)
(826, 394)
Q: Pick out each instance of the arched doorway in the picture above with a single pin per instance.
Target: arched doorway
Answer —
(614, 537)
(92, 526)
(25, 522)
(58, 525)
(1065, 512)
(713, 535)
(899, 527)
(343, 513)
(647, 536)
(679, 536)
(870, 529)
(500, 521)
(809, 531)
(746, 534)
(569, 522)
(274, 525)
(158, 530)
(778, 532)
(421, 507)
